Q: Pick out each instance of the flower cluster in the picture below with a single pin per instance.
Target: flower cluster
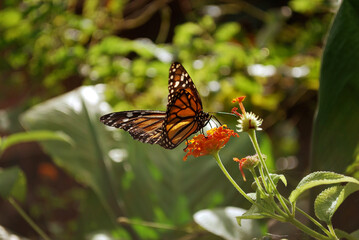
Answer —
(247, 120)
(204, 145)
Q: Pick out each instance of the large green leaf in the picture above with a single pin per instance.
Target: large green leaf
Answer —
(336, 127)
(147, 181)
(222, 222)
(76, 114)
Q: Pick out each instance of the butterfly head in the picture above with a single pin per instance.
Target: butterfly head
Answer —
(203, 119)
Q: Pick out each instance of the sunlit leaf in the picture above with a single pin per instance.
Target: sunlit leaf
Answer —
(222, 222)
(76, 114)
(317, 179)
(9, 17)
(32, 136)
(304, 6)
(329, 200)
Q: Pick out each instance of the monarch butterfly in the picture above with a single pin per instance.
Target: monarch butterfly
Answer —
(184, 115)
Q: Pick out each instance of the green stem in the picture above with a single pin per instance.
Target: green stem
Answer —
(28, 219)
(255, 177)
(150, 224)
(311, 219)
(224, 170)
(289, 218)
(252, 136)
(288, 215)
(280, 211)
(265, 184)
(240, 190)
(307, 230)
(332, 231)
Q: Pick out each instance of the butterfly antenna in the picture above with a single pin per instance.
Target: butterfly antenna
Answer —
(224, 113)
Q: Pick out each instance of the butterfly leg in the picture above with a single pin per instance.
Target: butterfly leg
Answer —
(220, 124)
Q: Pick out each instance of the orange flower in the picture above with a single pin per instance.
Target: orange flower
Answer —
(241, 163)
(203, 145)
(239, 100)
(249, 162)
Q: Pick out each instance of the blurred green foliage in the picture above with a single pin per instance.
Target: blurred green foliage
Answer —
(338, 99)
(270, 53)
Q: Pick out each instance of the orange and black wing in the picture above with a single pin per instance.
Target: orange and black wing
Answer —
(145, 126)
(184, 118)
(180, 79)
(185, 114)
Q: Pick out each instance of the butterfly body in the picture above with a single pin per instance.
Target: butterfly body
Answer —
(184, 115)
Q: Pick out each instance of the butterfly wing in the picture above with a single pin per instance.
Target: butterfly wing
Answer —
(180, 79)
(184, 118)
(145, 126)
(184, 115)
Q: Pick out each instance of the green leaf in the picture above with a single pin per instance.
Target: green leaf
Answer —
(344, 235)
(277, 177)
(304, 6)
(227, 31)
(12, 183)
(185, 32)
(317, 179)
(262, 209)
(355, 234)
(76, 114)
(222, 222)
(9, 17)
(253, 213)
(335, 133)
(41, 135)
(328, 201)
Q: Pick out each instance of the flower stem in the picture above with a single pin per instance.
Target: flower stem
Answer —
(252, 136)
(28, 219)
(308, 230)
(311, 219)
(332, 231)
(224, 170)
(254, 174)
